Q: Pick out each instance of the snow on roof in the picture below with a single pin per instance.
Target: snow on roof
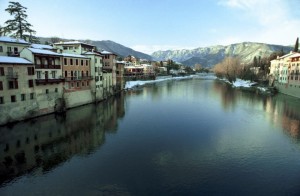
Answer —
(41, 46)
(91, 53)
(73, 55)
(123, 62)
(106, 52)
(13, 60)
(295, 55)
(13, 40)
(72, 42)
(41, 51)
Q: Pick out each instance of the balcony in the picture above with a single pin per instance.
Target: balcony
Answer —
(12, 76)
(49, 81)
(40, 66)
(13, 54)
(68, 79)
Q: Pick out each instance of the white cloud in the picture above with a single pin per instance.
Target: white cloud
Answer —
(275, 21)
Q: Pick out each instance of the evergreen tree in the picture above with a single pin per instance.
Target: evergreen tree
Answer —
(18, 26)
(296, 45)
(255, 64)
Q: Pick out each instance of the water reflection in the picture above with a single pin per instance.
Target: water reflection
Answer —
(282, 110)
(43, 143)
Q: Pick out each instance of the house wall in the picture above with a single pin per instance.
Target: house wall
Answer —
(5, 46)
(77, 98)
(21, 108)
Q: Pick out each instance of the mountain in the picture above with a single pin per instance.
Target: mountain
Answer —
(110, 46)
(119, 49)
(209, 56)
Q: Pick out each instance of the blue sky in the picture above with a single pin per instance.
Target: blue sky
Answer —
(151, 25)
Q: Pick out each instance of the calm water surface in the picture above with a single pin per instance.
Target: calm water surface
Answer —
(183, 137)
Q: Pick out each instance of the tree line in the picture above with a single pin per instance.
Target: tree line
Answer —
(232, 68)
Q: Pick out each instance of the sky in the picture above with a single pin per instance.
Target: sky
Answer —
(152, 25)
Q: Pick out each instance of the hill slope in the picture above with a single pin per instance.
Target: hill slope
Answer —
(209, 56)
(110, 46)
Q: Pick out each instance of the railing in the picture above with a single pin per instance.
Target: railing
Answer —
(12, 75)
(40, 66)
(75, 78)
(13, 53)
(48, 81)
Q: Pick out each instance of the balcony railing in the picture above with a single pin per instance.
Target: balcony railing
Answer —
(78, 78)
(13, 53)
(40, 66)
(12, 76)
(49, 81)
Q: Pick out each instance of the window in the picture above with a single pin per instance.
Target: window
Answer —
(65, 61)
(23, 97)
(30, 71)
(77, 84)
(1, 100)
(53, 74)
(96, 69)
(47, 91)
(95, 60)
(87, 83)
(8, 49)
(31, 95)
(39, 74)
(1, 49)
(87, 73)
(77, 63)
(1, 71)
(71, 61)
(87, 62)
(97, 78)
(56, 90)
(100, 78)
(1, 85)
(81, 62)
(13, 84)
(30, 83)
(13, 98)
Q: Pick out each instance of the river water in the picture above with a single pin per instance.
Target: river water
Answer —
(181, 137)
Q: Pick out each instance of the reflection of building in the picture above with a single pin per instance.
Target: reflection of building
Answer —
(43, 143)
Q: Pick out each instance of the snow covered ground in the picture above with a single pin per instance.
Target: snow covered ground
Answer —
(132, 84)
(245, 83)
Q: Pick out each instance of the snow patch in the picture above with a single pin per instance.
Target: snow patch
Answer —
(243, 83)
(132, 84)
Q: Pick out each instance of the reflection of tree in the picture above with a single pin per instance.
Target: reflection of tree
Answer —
(48, 141)
(227, 94)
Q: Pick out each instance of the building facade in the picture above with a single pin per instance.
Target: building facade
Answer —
(17, 94)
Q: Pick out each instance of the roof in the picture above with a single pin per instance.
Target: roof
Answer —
(72, 43)
(106, 52)
(295, 55)
(13, 60)
(74, 55)
(41, 51)
(91, 53)
(13, 40)
(41, 46)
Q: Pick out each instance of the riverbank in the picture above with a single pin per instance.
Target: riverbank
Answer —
(251, 86)
(134, 84)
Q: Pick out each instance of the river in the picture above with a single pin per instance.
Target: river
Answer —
(180, 137)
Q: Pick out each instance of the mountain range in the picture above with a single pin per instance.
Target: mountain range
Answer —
(206, 56)
(209, 56)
